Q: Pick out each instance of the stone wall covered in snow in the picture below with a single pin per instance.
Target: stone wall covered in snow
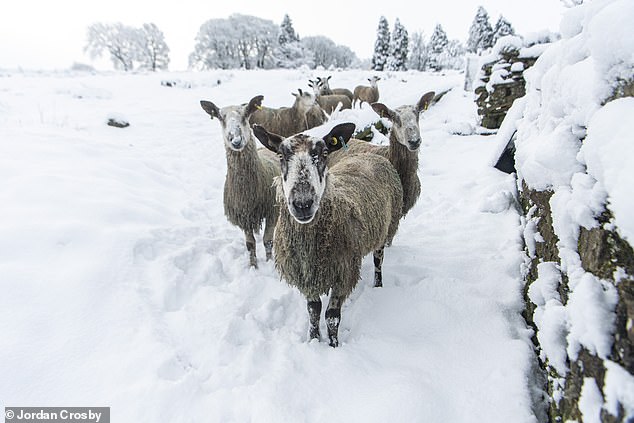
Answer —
(574, 149)
(501, 78)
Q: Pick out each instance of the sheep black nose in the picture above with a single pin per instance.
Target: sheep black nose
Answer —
(303, 210)
(303, 205)
(414, 144)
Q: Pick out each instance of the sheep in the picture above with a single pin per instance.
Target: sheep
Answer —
(364, 93)
(249, 193)
(286, 121)
(330, 218)
(402, 150)
(324, 88)
(329, 103)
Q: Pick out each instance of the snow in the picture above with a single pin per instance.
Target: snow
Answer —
(124, 285)
(618, 390)
(606, 152)
(550, 316)
(590, 401)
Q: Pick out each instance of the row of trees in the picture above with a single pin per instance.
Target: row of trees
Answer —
(129, 47)
(249, 42)
(397, 51)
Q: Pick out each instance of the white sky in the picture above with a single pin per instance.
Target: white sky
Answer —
(46, 34)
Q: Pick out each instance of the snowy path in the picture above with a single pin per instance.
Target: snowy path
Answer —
(156, 314)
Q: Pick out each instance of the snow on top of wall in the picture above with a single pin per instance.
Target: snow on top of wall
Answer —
(566, 87)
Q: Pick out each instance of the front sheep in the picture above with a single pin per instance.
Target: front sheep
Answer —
(249, 194)
(330, 218)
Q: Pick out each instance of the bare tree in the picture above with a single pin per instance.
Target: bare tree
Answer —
(155, 52)
(120, 41)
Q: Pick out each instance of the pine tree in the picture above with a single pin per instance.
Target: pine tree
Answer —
(289, 52)
(381, 46)
(397, 59)
(287, 32)
(436, 47)
(480, 32)
(502, 29)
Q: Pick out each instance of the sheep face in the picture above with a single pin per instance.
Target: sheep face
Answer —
(304, 100)
(405, 121)
(303, 160)
(234, 121)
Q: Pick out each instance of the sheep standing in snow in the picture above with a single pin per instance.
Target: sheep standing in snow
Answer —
(324, 86)
(286, 121)
(402, 151)
(330, 218)
(249, 193)
(364, 93)
(329, 102)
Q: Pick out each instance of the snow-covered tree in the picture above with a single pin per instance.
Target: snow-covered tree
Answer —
(287, 32)
(256, 38)
(453, 56)
(241, 41)
(436, 47)
(155, 52)
(289, 52)
(381, 45)
(320, 49)
(397, 59)
(120, 41)
(417, 52)
(502, 29)
(216, 46)
(480, 32)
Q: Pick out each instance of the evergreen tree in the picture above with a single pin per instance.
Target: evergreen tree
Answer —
(480, 32)
(381, 46)
(287, 32)
(417, 52)
(502, 29)
(436, 48)
(397, 59)
(289, 52)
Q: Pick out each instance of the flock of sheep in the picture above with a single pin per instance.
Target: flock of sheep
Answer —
(325, 202)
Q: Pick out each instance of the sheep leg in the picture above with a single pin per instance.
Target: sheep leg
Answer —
(268, 239)
(250, 240)
(378, 265)
(314, 315)
(333, 317)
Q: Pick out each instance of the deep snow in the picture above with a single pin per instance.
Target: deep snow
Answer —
(123, 285)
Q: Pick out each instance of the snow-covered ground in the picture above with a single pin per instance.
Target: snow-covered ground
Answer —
(123, 284)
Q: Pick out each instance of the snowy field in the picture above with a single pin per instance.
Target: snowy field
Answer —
(123, 284)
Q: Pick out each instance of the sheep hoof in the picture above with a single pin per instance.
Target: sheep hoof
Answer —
(314, 334)
(378, 280)
(268, 247)
(333, 316)
(253, 262)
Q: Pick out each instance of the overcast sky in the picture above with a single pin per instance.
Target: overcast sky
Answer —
(51, 34)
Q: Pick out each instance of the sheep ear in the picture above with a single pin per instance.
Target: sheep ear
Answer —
(270, 141)
(328, 79)
(425, 101)
(254, 104)
(300, 91)
(311, 83)
(383, 111)
(339, 136)
(210, 108)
